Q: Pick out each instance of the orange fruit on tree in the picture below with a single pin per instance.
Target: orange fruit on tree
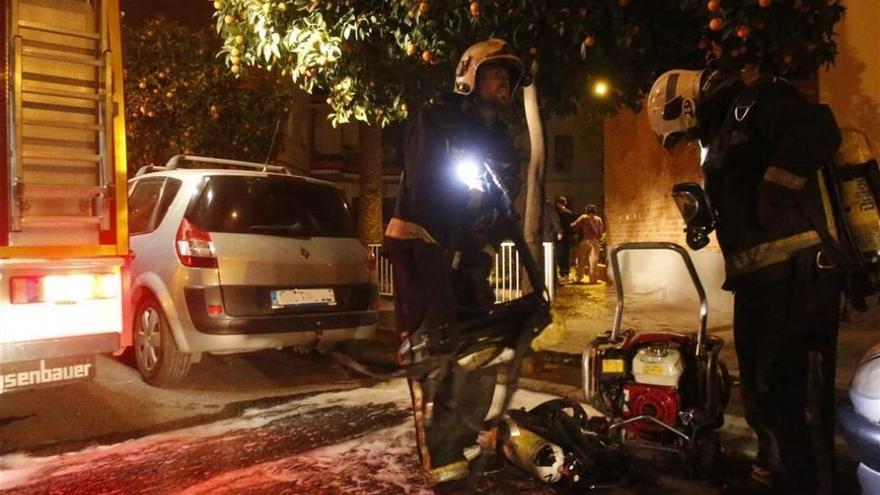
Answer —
(623, 3)
(475, 9)
(716, 24)
(411, 49)
(589, 41)
(764, 3)
(743, 31)
(533, 51)
(713, 5)
(424, 7)
(427, 56)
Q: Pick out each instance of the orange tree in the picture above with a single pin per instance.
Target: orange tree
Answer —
(376, 58)
(180, 98)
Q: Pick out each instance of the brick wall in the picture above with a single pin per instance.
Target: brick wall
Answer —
(639, 175)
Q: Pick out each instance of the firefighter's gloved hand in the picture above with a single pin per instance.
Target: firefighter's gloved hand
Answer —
(776, 204)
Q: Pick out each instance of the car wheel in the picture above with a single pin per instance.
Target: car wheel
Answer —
(158, 359)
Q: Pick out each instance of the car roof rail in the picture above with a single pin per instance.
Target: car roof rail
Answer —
(180, 161)
(146, 169)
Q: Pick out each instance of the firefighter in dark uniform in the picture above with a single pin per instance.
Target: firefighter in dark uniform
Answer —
(763, 146)
(441, 243)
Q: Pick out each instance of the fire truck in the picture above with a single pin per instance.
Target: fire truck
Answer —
(64, 284)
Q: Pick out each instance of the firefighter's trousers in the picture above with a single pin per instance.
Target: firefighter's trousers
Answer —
(427, 291)
(785, 334)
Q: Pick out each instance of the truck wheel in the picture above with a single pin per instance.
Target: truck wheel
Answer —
(158, 359)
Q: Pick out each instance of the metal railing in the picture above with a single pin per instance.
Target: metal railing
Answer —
(383, 270)
(506, 278)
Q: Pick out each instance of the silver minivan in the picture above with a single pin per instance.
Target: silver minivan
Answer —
(234, 256)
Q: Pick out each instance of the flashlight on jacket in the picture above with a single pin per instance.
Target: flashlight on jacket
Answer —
(470, 172)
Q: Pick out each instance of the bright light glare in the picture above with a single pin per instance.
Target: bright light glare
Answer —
(79, 287)
(108, 286)
(68, 288)
(600, 88)
(469, 172)
(704, 152)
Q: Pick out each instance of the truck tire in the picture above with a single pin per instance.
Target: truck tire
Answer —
(159, 361)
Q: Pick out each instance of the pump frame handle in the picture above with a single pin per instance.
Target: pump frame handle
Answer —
(692, 271)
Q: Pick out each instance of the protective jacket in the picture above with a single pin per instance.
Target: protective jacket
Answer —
(762, 216)
(432, 196)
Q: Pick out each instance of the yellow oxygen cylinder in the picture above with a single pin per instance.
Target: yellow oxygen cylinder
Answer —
(527, 450)
(858, 202)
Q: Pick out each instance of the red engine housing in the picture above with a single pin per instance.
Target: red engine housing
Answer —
(658, 401)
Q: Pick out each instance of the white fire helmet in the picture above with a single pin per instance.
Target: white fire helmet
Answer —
(672, 104)
(494, 51)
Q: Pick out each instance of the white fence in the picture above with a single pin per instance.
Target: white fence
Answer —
(506, 277)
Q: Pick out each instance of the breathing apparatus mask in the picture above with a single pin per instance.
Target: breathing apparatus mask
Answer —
(697, 213)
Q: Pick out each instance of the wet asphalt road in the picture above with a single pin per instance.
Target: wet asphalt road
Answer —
(177, 462)
(264, 423)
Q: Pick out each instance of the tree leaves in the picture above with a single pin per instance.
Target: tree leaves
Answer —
(181, 98)
(399, 51)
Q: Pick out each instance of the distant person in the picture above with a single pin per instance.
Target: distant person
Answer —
(590, 228)
(564, 240)
(551, 230)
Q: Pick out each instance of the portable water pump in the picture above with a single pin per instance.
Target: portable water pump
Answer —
(661, 390)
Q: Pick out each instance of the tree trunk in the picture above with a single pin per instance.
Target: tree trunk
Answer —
(371, 194)
(534, 175)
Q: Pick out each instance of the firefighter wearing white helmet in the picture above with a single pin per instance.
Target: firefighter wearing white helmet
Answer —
(441, 241)
(672, 104)
(763, 148)
(493, 51)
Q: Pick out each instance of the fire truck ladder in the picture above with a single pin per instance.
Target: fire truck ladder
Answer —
(62, 141)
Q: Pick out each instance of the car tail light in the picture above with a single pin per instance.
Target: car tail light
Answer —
(194, 246)
(67, 288)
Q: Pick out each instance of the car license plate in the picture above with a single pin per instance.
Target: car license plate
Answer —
(654, 369)
(612, 366)
(303, 297)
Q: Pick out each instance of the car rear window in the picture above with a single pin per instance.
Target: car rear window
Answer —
(272, 206)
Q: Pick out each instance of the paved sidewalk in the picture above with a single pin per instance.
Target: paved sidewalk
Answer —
(588, 311)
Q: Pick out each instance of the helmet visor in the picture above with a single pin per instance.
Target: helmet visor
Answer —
(673, 108)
